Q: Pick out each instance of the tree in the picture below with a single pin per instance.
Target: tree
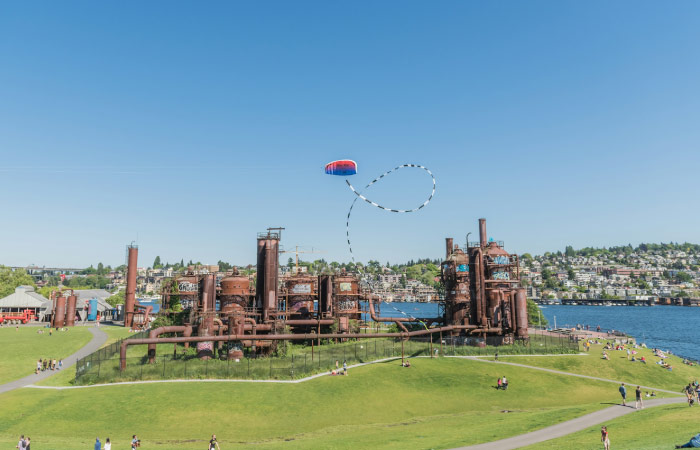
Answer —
(100, 269)
(683, 277)
(156, 263)
(534, 314)
(10, 279)
(571, 274)
(569, 251)
(116, 299)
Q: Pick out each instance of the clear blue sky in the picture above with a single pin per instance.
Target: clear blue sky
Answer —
(190, 126)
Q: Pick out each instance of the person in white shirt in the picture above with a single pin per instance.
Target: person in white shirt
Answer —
(108, 445)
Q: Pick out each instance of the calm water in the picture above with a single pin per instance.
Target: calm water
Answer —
(666, 327)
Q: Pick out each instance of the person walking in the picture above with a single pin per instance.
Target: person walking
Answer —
(688, 390)
(623, 393)
(108, 445)
(22, 444)
(345, 367)
(213, 443)
(28, 443)
(98, 445)
(638, 398)
(604, 438)
(505, 383)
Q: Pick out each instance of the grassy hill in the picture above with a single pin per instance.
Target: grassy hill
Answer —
(21, 348)
(439, 403)
(649, 429)
(619, 368)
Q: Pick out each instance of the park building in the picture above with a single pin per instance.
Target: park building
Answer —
(25, 298)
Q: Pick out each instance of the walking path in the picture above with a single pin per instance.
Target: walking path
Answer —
(99, 337)
(568, 427)
(559, 372)
(552, 432)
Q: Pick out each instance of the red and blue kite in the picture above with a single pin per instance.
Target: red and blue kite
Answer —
(342, 167)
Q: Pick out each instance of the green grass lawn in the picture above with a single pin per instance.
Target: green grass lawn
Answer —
(20, 349)
(619, 368)
(660, 427)
(437, 403)
(114, 333)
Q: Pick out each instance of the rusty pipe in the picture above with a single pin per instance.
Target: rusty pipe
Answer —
(310, 322)
(482, 233)
(376, 318)
(186, 330)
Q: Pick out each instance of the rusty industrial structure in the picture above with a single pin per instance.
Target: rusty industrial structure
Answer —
(64, 308)
(233, 313)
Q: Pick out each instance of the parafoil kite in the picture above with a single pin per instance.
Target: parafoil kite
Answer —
(347, 167)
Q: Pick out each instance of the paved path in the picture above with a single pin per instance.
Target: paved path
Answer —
(568, 427)
(99, 337)
(559, 372)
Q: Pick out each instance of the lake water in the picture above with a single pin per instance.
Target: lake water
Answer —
(666, 327)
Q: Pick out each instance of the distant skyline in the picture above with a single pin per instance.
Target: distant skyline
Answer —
(191, 127)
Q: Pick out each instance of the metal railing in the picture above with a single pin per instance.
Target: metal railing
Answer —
(85, 364)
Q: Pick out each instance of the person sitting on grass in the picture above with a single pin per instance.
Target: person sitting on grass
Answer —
(694, 442)
(605, 356)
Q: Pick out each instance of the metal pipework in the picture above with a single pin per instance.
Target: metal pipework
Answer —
(291, 337)
(482, 233)
(376, 318)
(186, 331)
(310, 322)
(130, 295)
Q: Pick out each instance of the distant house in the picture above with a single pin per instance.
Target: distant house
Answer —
(84, 297)
(25, 298)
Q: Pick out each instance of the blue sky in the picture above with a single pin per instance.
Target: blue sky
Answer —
(189, 126)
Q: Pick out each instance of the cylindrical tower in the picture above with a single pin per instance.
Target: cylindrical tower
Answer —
(130, 297)
(521, 313)
(482, 232)
(70, 310)
(59, 315)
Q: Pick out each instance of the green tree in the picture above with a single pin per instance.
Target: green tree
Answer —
(10, 279)
(156, 263)
(683, 277)
(100, 269)
(116, 299)
(570, 272)
(534, 314)
(569, 251)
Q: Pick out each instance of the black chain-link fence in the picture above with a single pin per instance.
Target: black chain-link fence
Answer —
(301, 361)
(87, 363)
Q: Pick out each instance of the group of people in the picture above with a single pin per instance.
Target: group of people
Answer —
(24, 443)
(135, 443)
(337, 370)
(45, 364)
(638, 403)
(692, 392)
(502, 383)
(108, 444)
